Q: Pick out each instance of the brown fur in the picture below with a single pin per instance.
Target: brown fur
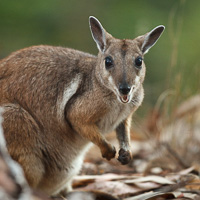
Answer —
(57, 100)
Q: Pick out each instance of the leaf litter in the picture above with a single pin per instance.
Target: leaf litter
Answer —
(165, 164)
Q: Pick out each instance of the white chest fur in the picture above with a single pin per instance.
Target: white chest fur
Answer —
(118, 112)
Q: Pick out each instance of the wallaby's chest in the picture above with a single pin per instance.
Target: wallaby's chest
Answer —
(116, 114)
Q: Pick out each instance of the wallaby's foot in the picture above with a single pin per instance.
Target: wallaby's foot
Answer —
(124, 156)
(108, 151)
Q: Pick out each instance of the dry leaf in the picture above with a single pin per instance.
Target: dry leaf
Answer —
(149, 195)
(155, 179)
(115, 188)
(194, 184)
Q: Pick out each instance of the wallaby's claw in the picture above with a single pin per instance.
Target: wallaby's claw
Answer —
(109, 152)
(124, 156)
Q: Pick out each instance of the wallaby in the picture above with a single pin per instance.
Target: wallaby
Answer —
(58, 101)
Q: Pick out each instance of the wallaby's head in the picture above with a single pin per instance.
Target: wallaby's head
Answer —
(120, 66)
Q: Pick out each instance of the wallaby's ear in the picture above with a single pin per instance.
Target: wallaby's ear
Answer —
(98, 33)
(149, 39)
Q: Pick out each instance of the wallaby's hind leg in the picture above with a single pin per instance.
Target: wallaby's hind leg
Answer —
(23, 143)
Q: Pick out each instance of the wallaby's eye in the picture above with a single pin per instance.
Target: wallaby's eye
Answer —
(109, 62)
(138, 62)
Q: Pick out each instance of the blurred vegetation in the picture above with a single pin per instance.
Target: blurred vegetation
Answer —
(172, 64)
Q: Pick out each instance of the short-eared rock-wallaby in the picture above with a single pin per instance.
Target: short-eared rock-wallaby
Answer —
(57, 101)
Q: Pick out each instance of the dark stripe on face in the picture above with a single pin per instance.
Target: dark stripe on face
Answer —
(124, 48)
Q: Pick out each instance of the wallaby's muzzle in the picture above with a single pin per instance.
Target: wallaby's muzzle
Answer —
(124, 90)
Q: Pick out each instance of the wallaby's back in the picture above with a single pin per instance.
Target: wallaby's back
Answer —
(32, 84)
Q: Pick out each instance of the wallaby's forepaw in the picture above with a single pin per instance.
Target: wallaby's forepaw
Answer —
(108, 152)
(124, 156)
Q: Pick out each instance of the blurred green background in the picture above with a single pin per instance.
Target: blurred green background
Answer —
(173, 63)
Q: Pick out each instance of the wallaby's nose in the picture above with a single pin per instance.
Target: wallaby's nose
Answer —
(124, 88)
